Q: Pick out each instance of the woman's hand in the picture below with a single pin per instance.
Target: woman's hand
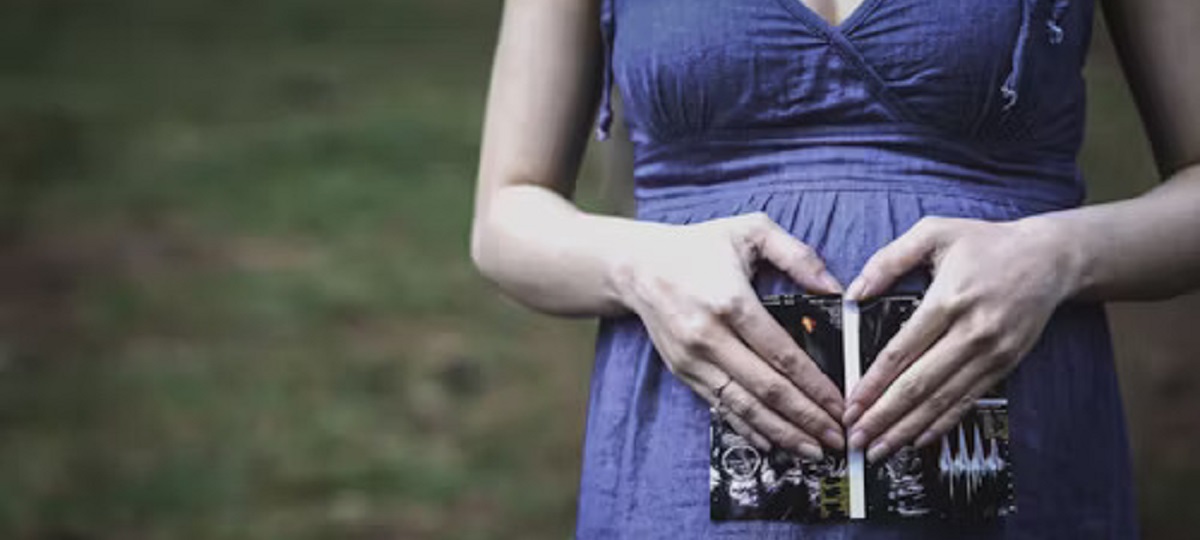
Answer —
(995, 286)
(691, 287)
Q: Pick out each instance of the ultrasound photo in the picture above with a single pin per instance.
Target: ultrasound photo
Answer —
(746, 483)
(966, 475)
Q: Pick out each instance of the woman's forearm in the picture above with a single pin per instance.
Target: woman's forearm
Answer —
(1143, 248)
(546, 253)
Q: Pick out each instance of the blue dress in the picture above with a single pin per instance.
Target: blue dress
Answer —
(846, 135)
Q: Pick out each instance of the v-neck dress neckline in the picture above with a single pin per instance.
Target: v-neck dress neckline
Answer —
(822, 25)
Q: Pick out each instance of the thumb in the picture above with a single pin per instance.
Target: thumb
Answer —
(903, 254)
(799, 261)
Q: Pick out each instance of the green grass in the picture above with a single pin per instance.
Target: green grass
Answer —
(268, 326)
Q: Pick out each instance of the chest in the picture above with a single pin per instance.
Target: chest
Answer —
(693, 65)
(834, 12)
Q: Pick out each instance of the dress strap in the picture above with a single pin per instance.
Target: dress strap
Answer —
(604, 116)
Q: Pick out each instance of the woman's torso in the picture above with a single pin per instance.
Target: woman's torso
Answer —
(846, 136)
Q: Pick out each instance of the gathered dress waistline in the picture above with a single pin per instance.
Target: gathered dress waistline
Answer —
(890, 158)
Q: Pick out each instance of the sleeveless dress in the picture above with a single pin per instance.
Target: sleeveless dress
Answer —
(847, 135)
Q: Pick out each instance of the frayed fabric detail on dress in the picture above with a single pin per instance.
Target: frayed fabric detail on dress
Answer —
(1009, 91)
(604, 117)
(1054, 24)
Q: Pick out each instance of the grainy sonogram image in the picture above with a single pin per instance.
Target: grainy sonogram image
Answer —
(746, 483)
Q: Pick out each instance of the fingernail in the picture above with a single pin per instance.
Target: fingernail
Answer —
(811, 451)
(857, 289)
(877, 451)
(830, 282)
(833, 438)
(852, 414)
(857, 440)
(924, 440)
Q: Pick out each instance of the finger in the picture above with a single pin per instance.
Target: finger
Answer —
(777, 393)
(743, 404)
(760, 331)
(897, 258)
(952, 399)
(911, 388)
(747, 432)
(952, 416)
(799, 261)
(705, 379)
(928, 323)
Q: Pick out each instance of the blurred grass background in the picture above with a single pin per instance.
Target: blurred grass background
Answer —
(235, 299)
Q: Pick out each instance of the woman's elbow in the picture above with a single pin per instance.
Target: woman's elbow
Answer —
(480, 249)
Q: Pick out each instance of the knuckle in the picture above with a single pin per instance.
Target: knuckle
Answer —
(877, 265)
(759, 219)
(681, 367)
(939, 401)
(696, 335)
(982, 339)
(890, 357)
(774, 393)
(809, 422)
(806, 254)
(869, 426)
(1009, 349)
(912, 391)
(684, 368)
(787, 363)
(743, 407)
(958, 301)
(1007, 357)
(867, 390)
(830, 402)
(827, 399)
(755, 225)
(929, 224)
(904, 431)
(729, 306)
(964, 402)
(938, 308)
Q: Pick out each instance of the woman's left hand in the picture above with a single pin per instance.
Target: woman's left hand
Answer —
(995, 285)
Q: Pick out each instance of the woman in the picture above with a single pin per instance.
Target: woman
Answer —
(786, 145)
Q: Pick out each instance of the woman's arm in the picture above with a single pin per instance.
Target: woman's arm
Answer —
(996, 284)
(690, 285)
(1149, 247)
(544, 83)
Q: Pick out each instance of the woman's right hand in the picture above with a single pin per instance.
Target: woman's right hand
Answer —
(690, 285)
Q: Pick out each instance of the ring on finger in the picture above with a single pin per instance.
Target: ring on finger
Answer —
(721, 389)
(720, 408)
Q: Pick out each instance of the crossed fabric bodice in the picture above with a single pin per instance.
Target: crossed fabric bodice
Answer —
(904, 94)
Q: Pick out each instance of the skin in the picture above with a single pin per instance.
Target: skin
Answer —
(690, 284)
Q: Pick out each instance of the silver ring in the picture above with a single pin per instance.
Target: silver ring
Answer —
(721, 389)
